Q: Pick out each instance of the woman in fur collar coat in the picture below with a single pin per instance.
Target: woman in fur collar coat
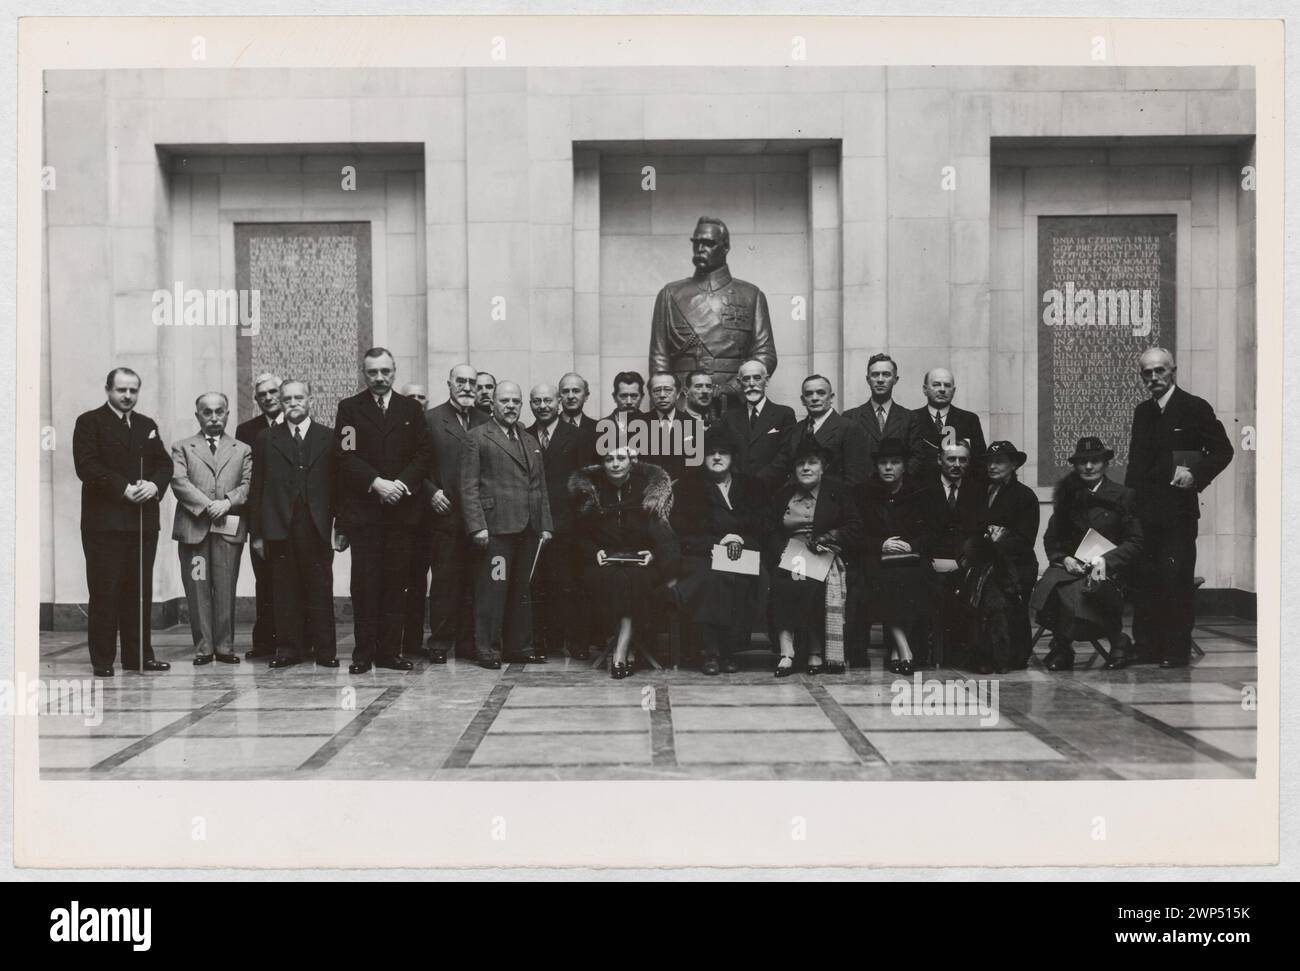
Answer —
(625, 546)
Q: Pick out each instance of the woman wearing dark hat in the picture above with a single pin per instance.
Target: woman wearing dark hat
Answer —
(624, 542)
(714, 505)
(1081, 599)
(819, 511)
(1011, 526)
(895, 539)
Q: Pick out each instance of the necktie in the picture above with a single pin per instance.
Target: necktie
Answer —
(572, 421)
(126, 420)
(543, 437)
(383, 410)
(212, 445)
(753, 416)
(993, 494)
(880, 416)
(812, 430)
(464, 420)
(952, 495)
(938, 423)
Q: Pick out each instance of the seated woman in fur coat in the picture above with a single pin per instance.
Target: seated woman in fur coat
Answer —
(625, 546)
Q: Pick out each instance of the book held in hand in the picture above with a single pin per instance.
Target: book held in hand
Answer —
(798, 558)
(227, 525)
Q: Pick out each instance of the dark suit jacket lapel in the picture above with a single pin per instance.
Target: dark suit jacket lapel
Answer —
(115, 426)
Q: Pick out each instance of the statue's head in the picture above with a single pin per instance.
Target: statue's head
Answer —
(710, 244)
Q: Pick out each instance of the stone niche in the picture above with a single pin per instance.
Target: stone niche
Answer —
(332, 237)
(780, 201)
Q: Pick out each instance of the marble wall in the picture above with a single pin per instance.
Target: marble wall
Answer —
(907, 248)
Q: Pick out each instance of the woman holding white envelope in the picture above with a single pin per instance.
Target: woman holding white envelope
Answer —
(1081, 596)
(718, 515)
(815, 531)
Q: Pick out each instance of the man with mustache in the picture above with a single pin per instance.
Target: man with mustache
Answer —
(507, 515)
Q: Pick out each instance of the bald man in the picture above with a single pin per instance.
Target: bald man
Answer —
(211, 476)
(939, 421)
(506, 514)
(565, 450)
(1176, 448)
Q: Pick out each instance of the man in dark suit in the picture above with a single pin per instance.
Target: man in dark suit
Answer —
(844, 441)
(760, 426)
(955, 508)
(564, 451)
(881, 416)
(291, 518)
(417, 588)
(485, 386)
(124, 470)
(671, 428)
(1177, 447)
(451, 589)
(699, 401)
(507, 514)
(939, 420)
(383, 450)
(266, 394)
(574, 392)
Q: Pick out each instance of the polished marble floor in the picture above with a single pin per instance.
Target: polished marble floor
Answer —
(567, 720)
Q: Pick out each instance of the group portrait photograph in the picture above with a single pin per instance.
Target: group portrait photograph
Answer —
(518, 422)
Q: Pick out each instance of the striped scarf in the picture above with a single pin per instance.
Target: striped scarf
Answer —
(835, 613)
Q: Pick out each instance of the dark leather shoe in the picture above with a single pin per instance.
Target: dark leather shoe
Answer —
(437, 657)
(618, 671)
(834, 667)
(783, 672)
(256, 653)
(1061, 662)
(527, 659)
(283, 662)
(228, 658)
(489, 663)
(815, 668)
(327, 662)
(730, 667)
(104, 672)
(157, 666)
(1174, 662)
(202, 659)
(394, 664)
(580, 653)
(1121, 655)
(362, 668)
(712, 667)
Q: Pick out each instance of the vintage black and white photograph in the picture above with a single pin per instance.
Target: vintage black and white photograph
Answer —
(783, 421)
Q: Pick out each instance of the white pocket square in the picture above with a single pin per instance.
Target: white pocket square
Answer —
(772, 431)
(154, 433)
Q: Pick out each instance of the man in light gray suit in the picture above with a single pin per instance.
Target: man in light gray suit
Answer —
(211, 474)
(507, 515)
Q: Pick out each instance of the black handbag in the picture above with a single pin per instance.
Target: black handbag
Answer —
(900, 559)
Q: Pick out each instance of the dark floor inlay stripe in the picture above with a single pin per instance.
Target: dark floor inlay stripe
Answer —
(663, 744)
(475, 731)
(1219, 632)
(845, 725)
(164, 733)
(1178, 734)
(353, 728)
(1055, 742)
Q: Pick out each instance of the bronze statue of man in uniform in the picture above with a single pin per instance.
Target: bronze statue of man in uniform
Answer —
(711, 321)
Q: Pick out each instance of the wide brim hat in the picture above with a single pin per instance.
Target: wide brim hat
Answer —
(1091, 447)
(809, 447)
(720, 439)
(890, 448)
(1004, 449)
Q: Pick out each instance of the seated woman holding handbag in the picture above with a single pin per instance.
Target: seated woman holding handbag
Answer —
(895, 540)
(818, 513)
(625, 546)
(1082, 599)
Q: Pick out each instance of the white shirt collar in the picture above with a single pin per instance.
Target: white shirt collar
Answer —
(938, 412)
(818, 422)
(277, 420)
(302, 425)
(120, 414)
(758, 405)
(387, 398)
(1163, 400)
